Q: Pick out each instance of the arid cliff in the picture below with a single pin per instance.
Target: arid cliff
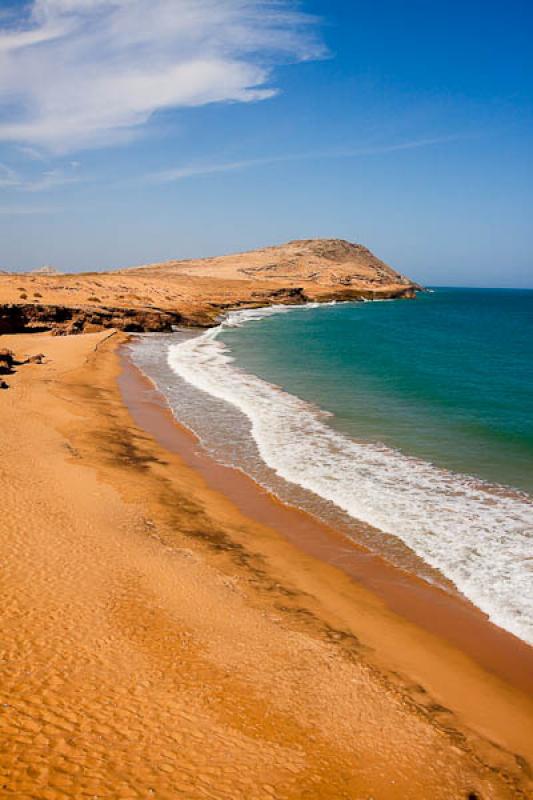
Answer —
(156, 296)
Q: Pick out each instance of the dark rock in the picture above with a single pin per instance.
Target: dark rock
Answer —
(68, 320)
(7, 359)
(36, 359)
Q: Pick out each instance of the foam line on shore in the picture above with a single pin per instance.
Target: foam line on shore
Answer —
(477, 535)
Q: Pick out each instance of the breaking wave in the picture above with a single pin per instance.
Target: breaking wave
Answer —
(477, 535)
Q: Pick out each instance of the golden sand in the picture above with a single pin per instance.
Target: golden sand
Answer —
(157, 642)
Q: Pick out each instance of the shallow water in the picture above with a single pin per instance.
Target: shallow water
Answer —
(414, 417)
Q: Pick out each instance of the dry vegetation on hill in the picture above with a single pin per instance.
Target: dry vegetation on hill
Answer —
(195, 292)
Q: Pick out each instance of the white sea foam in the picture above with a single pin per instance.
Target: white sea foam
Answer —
(478, 536)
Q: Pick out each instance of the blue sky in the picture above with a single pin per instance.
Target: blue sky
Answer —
(134, 131)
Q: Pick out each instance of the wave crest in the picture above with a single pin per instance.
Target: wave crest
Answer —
(476, 535)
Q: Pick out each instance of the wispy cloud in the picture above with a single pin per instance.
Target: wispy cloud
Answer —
(79, 73)
(50, 179)
(8, 177)
(192, 170)
(40, 181)
(24, 211)
(31, 152)
(209, 168)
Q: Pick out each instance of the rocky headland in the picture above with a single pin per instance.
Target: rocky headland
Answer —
(171, 630)
(155, 297)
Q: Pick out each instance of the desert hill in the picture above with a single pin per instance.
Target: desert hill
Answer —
(196, 292)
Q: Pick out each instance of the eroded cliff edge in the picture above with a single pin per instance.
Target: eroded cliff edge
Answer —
(155, 297)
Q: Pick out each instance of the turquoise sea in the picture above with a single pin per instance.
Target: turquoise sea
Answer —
(408, 423)
(448, 377)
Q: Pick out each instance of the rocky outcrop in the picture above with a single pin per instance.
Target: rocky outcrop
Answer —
(63, 320)
(38, 358)
(68, 320)
(46, 270)
(196, 292)
(346, 294)
(7, 359)
(8, 362)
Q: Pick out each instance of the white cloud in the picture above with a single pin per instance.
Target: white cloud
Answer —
(31, 152)
(77, 73)
(192, 170)
(49, 179)
(8, 177)
(38, 182)
(210, 168)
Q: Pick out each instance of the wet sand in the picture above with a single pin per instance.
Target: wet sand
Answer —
(160, 638)
(446, 614)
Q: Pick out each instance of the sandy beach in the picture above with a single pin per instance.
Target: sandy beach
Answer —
(266, 373)
(166, 633)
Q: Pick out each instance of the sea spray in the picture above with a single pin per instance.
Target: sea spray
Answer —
(477, 535)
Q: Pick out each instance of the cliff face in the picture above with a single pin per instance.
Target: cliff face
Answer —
(195, 292)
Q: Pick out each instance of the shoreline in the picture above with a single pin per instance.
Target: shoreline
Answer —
(450, 616)
(153, 297)
(158, 641)
(413, 466)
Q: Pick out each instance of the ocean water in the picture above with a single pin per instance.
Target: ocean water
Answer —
(413, 420)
